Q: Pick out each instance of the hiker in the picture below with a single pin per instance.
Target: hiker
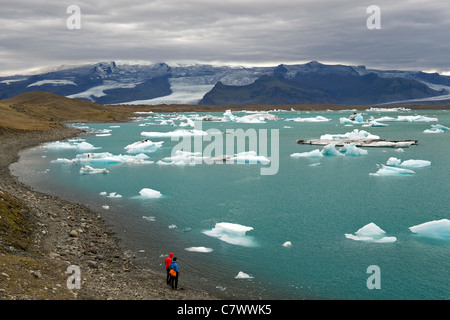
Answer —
(175, 272)
(167, 262)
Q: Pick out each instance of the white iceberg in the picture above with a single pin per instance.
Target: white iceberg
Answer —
(310, 119)
(330, 150)
(112, 195)
(353, 135)
(436, 229)
(108, 158)
(350, 149)
(231, 233)
(91, 170)
(199, 249)
(74, 144)
(150, 193)
(392, 171)
(249, 157)
(395, 162)
(243, 275)
(176, 133)
(182, 158)
(372, 233)
(417, 118)
(311, 154)
(143, 146)
(287, 244)
(433, 130)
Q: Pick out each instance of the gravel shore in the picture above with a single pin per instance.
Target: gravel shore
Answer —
(63, 234)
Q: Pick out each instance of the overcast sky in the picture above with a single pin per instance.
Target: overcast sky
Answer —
(414, 34)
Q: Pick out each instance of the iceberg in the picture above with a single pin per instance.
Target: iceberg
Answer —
(75, 145)
(199, 249)
(372, 233)
(91, 170)
(257, 118)
(176, 133)
(392, 171)
(417, 118)
(287, 244)
(311, 119)
(415, 163)
(436, 128)
(108, 158)
(330, 150)
(311, 154)
(231, 233)
(350, 149)
(435, 229)
(110, 195)
(249, 157)
(243, 275)
(395, 162)
(150, 193)
(353, 135)
(143, 146)
(182, 158)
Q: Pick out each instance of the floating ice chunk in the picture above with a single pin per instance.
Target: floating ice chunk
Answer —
(311, 154)
(250, 157)
(330, 150)
(440, 127)
(176, 133)
(114, 195)
(150, 193)
(433, 131)
(371, 232)
(229, 117)
(57, 145)
(106, 207)
(182, 158)
(415, 163)
(106, 158)
(436, 229)
(91, 170)
(103, 193)
(231, 233)
(287, 244)
(199, 249)
(417, 118)
(311, 119)
(243, 275)
(149, 218)
(353, 135)
(143, 146)
(392, 171)
(350, 149)
(395, 162)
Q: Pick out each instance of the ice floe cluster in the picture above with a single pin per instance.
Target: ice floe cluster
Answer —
(437, 229)
(395, 167)
(348, 149)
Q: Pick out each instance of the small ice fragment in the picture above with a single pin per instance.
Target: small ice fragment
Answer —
(199, 249)
(287, 244)
(436, 229)
(243, 275)
(150, 193)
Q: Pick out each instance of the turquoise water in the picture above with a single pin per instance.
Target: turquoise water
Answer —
(312, 203)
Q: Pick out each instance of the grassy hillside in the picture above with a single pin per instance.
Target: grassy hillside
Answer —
(44, 110)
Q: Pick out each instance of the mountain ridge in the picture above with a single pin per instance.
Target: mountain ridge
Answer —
(160, 83)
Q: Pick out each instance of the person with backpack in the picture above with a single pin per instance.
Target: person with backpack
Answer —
(167, 262)
(174, 273)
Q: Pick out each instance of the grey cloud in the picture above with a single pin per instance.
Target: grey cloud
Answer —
(413, 35)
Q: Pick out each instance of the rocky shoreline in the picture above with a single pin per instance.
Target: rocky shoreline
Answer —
(64, 234)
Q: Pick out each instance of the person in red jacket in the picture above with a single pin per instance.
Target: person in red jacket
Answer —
(167, 262)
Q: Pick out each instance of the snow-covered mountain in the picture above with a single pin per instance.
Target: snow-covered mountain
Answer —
(112, 83)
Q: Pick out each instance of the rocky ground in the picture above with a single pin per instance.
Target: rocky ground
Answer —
(41, 236)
